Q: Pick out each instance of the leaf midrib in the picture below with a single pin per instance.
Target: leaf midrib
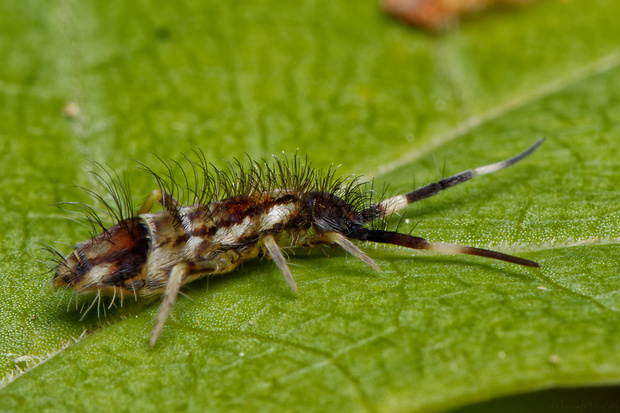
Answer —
(591, 70)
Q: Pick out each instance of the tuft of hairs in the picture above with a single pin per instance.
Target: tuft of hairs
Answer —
(195, 181)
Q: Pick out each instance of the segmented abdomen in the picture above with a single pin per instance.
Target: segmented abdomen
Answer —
(114, 259)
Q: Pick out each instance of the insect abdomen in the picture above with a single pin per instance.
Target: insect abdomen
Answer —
(113, 259)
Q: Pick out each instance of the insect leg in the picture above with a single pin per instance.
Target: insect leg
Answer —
(170, 296)
(336, 238)
(160, 196)
(409, 241)
(270, 243)
(399, 202)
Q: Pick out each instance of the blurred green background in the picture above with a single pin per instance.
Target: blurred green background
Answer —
(345, 84)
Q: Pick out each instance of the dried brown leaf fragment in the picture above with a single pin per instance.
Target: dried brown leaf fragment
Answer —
(437, 15)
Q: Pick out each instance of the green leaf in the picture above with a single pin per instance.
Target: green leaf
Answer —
(343, 83)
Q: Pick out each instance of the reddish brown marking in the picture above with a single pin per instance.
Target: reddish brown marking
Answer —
(126, 247)
(241, 206)
(236, 209)
(199, 231)
(181, 239)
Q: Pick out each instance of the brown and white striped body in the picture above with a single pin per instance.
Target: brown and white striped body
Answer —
(137, 258)
(156, 253)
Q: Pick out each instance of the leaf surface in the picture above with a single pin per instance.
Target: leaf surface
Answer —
(343, 84)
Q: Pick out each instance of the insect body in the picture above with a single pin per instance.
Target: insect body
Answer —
(234, 215)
